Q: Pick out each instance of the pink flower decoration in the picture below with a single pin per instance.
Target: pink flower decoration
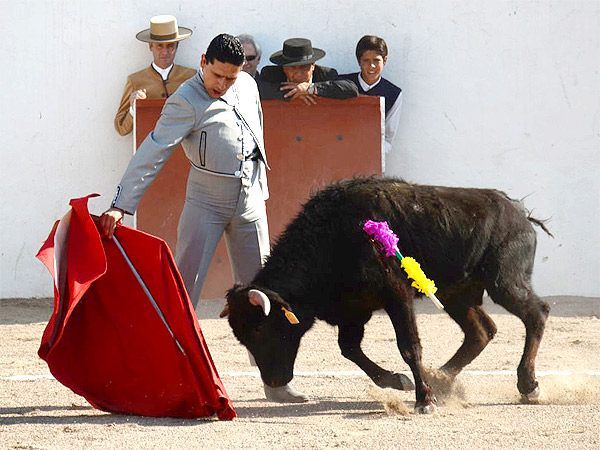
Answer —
(382, 233)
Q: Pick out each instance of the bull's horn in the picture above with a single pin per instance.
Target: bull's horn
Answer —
(258, 298)
(225, 311)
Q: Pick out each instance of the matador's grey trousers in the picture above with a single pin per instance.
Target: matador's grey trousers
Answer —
(215, 205)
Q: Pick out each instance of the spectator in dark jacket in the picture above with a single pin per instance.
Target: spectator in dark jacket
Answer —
(296, 75)
(371, 53)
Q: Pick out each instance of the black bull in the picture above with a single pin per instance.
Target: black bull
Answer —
(325, 266)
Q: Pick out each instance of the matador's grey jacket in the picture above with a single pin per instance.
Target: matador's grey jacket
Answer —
(210, 131)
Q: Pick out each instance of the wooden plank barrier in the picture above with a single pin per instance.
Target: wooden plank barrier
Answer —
(308, 147)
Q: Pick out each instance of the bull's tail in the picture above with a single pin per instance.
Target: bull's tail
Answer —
(537, 222)
(540, 223)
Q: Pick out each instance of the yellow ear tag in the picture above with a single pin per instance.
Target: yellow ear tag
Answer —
(290, 316)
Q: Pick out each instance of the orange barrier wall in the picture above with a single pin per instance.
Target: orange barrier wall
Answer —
(308, 147)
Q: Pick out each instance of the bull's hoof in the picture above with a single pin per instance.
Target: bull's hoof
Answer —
(406, 383)
(396, 381)
(429, 408)
(285, 394)
(533, 397)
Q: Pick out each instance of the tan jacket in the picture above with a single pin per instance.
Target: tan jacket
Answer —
(150, 80)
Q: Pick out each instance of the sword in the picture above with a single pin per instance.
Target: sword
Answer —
(147, 292)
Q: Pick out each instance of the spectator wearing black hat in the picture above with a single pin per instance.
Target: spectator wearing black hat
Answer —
(296, 75)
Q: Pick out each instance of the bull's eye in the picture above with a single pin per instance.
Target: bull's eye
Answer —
(257, 330)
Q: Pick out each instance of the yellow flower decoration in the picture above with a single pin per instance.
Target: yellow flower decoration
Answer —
(421, 282)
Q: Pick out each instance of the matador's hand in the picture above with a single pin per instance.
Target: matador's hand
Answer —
(109, 220)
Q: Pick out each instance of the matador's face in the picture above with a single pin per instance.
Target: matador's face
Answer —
(218, 76)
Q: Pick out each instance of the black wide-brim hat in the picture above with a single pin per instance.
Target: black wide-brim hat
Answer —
(297, 52)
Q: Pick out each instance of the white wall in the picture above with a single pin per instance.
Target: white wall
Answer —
(502, 94)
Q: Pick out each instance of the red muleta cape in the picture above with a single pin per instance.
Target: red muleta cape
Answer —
(108, 342)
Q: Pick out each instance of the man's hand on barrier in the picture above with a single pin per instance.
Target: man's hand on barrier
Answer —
(299, 90)
(140, 94)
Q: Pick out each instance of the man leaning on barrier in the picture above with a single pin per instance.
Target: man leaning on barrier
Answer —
(296, 75)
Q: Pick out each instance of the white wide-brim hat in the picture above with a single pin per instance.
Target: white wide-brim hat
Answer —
(164, 29)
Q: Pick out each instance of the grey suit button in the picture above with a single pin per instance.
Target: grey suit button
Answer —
(237, 173)
(240, 156)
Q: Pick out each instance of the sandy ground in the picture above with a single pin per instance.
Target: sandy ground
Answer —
(346, 410)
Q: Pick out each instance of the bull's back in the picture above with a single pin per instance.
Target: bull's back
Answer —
(454, 233)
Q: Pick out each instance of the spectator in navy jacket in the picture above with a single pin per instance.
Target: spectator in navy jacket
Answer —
(371, 53)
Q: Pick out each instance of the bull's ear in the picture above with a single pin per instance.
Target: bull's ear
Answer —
(258, 298)
(290, 316)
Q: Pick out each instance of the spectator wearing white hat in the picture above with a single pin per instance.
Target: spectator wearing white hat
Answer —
(162, 77)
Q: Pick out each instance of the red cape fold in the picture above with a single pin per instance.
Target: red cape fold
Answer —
(106, 340)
